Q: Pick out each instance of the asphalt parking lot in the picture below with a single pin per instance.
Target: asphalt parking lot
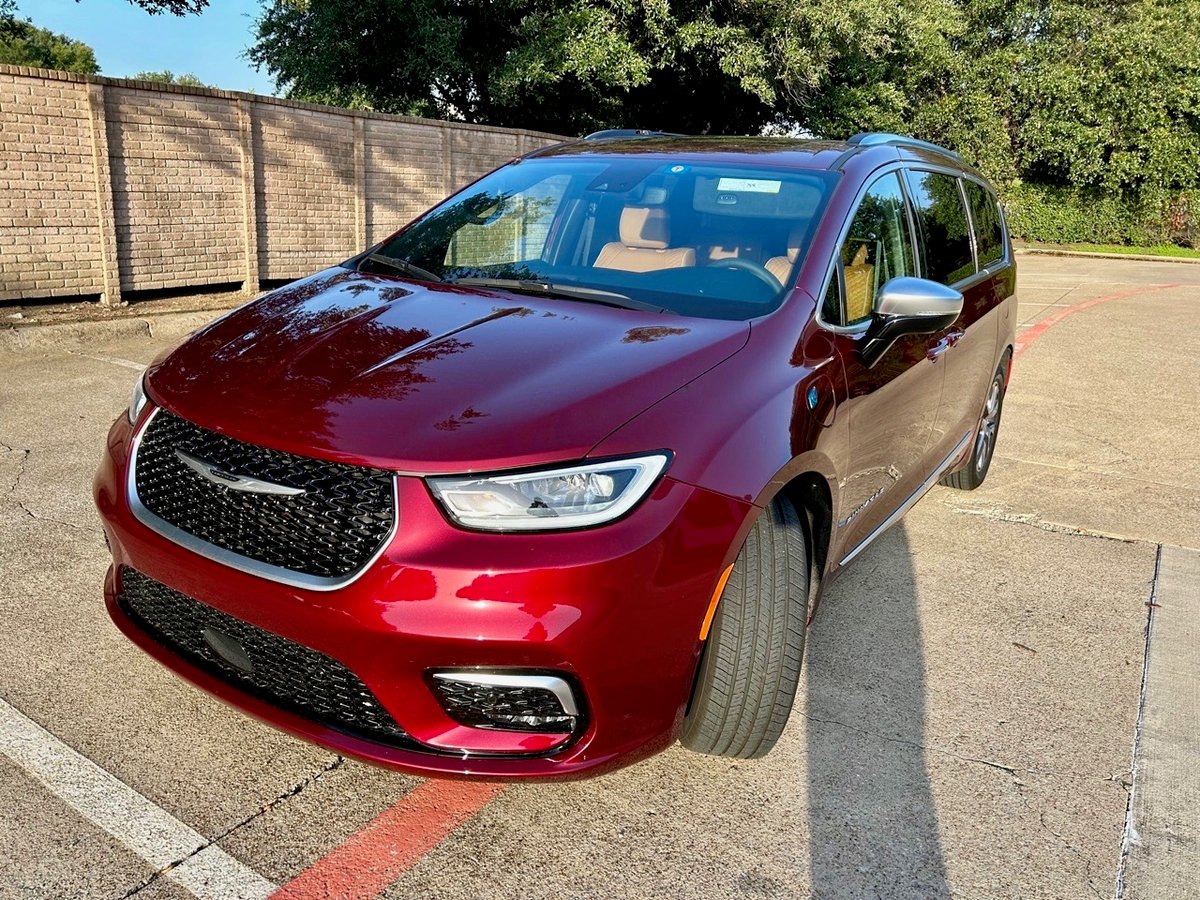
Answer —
(966, 724)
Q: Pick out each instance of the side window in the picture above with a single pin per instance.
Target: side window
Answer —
(985, 216)
(878, 248)
(514, 229)
(945, 238)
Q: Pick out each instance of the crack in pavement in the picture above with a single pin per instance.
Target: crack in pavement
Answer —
(1030, 519)
(1013, 770)
(22, 467)
(1087, 862)
(332, 765)
(1082, 468)
(29, 512)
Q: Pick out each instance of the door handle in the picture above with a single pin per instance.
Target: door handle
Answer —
(947, 341)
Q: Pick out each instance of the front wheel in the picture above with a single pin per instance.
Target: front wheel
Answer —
(751, 664)
(972, 474)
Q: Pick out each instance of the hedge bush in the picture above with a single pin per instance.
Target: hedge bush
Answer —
(1059, 215)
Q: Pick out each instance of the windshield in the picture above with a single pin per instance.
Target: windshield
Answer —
(711, 240)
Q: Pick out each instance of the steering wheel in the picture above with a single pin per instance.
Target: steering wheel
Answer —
(744, 265)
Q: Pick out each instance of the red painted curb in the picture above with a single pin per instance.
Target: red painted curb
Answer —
(1031, 334)
(392, 843)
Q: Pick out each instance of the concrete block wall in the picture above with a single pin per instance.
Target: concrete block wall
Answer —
(110, 186)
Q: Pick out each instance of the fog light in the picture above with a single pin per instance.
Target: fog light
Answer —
(509, 702)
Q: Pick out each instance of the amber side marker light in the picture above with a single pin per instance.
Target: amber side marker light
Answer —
(712, 604)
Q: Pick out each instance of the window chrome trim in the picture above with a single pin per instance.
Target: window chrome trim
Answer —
(913, 165)
(557, 686)
(220, 555)
(831, 269)
(909, 165)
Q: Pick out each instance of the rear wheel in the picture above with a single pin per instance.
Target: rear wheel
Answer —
(972, 474)
(751, 664)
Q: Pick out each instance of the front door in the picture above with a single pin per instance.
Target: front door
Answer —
(892, 405)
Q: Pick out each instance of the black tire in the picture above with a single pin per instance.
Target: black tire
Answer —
(751, 665)
(972, 474)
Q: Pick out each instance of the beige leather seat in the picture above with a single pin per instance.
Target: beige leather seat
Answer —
(645, 243)
(860, 286)
(781, 266)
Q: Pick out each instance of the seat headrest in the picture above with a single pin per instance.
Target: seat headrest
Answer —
(645, 226)
(796, 241)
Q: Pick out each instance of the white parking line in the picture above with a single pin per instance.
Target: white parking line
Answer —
(146, 829)
(115, 360)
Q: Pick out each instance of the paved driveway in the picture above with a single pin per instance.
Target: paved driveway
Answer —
(967, 718)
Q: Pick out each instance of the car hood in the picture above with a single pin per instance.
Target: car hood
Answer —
(431, 378)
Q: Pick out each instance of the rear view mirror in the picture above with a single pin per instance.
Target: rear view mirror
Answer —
(909, 306)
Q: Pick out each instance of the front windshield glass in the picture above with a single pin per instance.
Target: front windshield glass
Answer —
(711, 240)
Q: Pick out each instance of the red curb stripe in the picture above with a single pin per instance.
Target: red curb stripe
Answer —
(392, 843)
(1034, 332)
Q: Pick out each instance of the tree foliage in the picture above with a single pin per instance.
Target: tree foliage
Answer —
(1096, 98)
(175, 7)
(168, 77)
(24, 44)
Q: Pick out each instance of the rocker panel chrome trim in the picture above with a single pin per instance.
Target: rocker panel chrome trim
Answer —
(912, 498)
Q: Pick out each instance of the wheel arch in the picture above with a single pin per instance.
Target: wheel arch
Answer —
(810, 484)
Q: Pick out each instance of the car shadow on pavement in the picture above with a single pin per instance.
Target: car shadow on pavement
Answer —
(872, 820)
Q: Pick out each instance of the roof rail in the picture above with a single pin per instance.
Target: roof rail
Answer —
(875, 138)
(616, 134)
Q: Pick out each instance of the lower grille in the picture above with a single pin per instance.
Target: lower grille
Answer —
(516, 707)
(286, 674)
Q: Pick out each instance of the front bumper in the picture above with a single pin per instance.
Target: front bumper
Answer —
(616, 609)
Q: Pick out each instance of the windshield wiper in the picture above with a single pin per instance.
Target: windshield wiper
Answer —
(402, 265)
(570, 292)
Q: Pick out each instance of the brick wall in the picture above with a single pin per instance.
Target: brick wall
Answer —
(109, 186)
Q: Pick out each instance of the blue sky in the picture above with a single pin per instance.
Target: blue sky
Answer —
(127, 40)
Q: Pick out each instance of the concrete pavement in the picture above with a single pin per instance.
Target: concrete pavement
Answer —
(966, 723)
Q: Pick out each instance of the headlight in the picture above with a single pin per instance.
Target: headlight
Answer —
(571, 497)
(138, 401)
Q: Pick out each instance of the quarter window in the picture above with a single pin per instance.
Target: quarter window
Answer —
(878, 248)
(945, 238)
(989, 229)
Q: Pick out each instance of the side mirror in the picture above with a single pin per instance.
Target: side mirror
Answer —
(909, 306)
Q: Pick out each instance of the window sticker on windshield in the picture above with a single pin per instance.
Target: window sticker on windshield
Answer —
(749, 185)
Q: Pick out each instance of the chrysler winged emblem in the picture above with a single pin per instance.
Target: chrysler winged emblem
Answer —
(214, 473)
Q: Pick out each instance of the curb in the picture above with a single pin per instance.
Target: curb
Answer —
(1089, 254)
(74, 334)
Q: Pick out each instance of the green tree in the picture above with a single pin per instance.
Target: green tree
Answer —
(1081, 100)
(168, 77)
(566, 66)
(23, 44)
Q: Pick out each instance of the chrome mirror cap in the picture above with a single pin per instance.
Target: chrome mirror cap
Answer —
(918, 298)
(908, 306)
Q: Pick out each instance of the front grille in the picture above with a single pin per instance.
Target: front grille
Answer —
(330, 531)
(285, 674)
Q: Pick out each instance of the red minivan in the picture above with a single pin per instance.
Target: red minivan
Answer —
(555, 475)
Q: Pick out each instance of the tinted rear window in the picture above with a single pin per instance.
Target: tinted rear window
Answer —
(945, 238)
(989, 231)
